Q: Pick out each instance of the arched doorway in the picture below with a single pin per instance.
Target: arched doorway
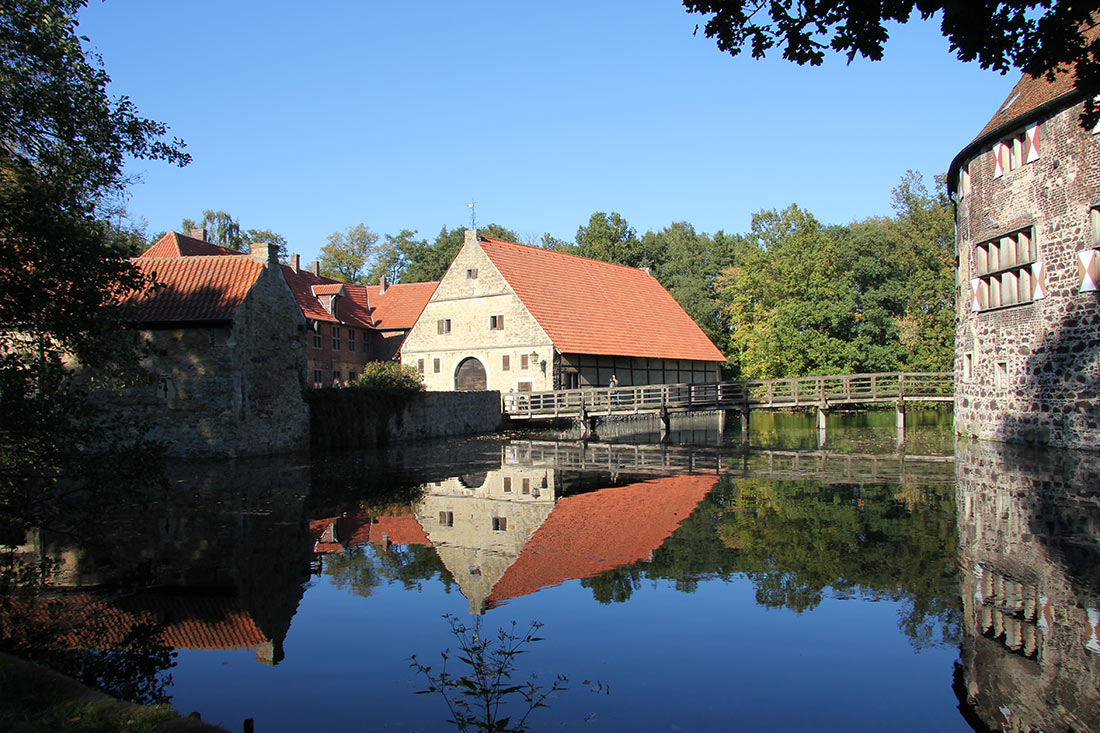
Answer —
(470, 376)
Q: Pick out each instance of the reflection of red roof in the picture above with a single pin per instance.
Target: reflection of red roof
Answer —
(592, 533)
(174, 244)
(194, 288)
(181, 622)
(401, 304)
(592, 307)
(333, 534)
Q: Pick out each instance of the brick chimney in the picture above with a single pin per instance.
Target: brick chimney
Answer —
(265, 252)
(382, 285)
(472, 235)
(296, 262)
(315, 268)
(197, 233)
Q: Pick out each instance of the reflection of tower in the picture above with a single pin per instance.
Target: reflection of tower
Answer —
(1029, 534)
(478, 523)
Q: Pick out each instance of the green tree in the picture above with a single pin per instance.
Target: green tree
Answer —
(349, 254)
(255, 236)
(790, 301)
(1038, 37)
(221, 228)
(610, 238)
(392, 257)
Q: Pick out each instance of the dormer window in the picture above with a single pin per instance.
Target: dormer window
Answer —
(1016, 151)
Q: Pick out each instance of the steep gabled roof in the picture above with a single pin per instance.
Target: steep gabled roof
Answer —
(593, 307)
(174, 244)
(592, 533)
(193, 288)
(401, 304)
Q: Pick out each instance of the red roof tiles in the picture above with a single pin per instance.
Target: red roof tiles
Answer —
(401, 304)
(174, 244)
(592, 533)
(352, 306)
(593, 307)
(335, 534)
(192, 288)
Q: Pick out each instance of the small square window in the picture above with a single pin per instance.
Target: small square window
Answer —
(443, 325)
(496, 323)
(447, 519)
(435, 365)
(505, 362)
(500, 524)
(523, 361)
(471, 273)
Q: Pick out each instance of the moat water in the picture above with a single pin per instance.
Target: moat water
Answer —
(796, 581)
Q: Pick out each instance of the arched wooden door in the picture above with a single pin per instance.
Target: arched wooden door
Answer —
(470, 376)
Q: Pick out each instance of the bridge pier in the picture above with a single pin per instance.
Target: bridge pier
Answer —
(822, 426)
(899, 415)
(666, 423)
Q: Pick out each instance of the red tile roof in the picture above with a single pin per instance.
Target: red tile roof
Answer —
(401, 304)
(174, 244)
(592, 533)
(335, 534)
(192, 288)
(592, 307)
(1026, 101)
(352, 308)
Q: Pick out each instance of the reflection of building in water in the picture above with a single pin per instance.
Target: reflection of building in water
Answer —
(227, 540)
(479, 523)
(1029, 533)
(84, 621)
(505, 533)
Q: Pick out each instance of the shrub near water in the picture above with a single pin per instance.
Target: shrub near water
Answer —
(389, 376)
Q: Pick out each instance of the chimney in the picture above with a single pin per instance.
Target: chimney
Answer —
(382, 285)
(296, 262)
(472, 235)
(315, 268)
(265, 252)
(197, 233)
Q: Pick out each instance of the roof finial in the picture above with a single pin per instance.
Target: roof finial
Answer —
(473, 214)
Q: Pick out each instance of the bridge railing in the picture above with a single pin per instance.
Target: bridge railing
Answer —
(793, 392)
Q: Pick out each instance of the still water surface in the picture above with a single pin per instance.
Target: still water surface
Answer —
(800, 582)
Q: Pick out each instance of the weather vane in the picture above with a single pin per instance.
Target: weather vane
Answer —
(473, 214)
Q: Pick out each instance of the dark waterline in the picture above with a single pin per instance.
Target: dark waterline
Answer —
(697, 584)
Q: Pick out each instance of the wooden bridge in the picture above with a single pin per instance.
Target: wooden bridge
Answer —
(660, 459)
(820, 393)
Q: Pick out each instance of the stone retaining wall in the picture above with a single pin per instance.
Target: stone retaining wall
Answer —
(353, 419)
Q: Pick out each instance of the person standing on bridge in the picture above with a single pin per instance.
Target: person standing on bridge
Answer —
(611, 386)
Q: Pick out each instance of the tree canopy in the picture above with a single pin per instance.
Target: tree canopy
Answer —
(1038, 37)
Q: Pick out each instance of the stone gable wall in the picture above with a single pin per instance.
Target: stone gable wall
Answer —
(1050, 348)
(229, 390)
(469, 304)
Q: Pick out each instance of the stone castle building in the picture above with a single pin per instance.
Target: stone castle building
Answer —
(1027, 344)
(513, 317)
(347, 325)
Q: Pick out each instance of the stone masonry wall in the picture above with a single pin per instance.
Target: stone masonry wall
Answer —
(234, 390)
(469, 303)
(345, 419)
(1047, 351)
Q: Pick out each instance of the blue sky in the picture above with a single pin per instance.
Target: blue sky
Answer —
(308, 118)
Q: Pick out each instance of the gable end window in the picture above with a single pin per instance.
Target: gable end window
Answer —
(496, 323)
(443, 325)
(1007, 272)
(471, 273)
(1016, 151)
